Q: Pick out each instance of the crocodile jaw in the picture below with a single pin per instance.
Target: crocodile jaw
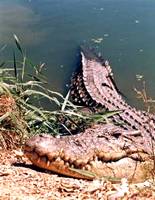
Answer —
(44, 152)
(36, 149)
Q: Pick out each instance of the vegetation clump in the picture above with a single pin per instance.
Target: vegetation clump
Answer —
(22, 95)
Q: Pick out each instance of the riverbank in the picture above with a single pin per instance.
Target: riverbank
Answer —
(20, 180)
(22, 115)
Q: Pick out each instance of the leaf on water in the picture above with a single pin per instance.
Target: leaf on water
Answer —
(97, 40)
(139, 77)
(84, 172)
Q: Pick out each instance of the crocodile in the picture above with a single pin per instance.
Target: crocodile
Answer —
(104, 150)
(94, 86)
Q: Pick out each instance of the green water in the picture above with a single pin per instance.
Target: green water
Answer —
(52, 30)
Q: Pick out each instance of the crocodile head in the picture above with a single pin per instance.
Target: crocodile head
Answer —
(92, 154)
(56, 154)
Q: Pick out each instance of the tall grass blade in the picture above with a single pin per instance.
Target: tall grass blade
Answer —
(2, 64)
(111, 113)
(36, 78)
(65, 127)
(100, 117)
(23, 67)
(65, 101)
(2, 48)
(71, 113)
(34, 108)
(5, 89)
(4, 116)
(84, 172)
(18, 43)
(34, 92)
(15, 65)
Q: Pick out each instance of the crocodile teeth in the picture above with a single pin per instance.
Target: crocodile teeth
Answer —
(67, 164)
(66, 158)
(101, 154)
(61, 153)
(78, 162)
(48, 163)
(72, 166)
(88, 167)
(58, 159)
(38, 160)
(61, 163)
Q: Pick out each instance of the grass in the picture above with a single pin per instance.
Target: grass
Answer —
(26, 118)
(26, 89)
(142, 95)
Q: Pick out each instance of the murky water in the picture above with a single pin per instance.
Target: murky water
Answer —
(52, 30)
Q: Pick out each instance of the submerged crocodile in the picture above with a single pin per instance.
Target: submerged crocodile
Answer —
(103, 150)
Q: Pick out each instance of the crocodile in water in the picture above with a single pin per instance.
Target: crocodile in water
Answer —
(104, 150)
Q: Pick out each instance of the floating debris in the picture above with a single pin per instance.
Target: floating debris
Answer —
(139, 77)
(137, 21)
(97, 40)
(106, 35)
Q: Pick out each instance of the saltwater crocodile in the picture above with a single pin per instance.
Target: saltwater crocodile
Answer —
(104, 150)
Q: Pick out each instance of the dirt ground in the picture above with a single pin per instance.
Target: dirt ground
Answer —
(21, 180)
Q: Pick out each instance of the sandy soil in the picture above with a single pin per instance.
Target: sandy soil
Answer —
(21, 180)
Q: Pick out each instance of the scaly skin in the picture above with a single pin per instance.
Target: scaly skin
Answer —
(104, 150)
(95, 85)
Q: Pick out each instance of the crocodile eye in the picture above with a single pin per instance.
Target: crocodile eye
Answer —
(103, 84)
(41, 135)
(116, 134)
(133, 127)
